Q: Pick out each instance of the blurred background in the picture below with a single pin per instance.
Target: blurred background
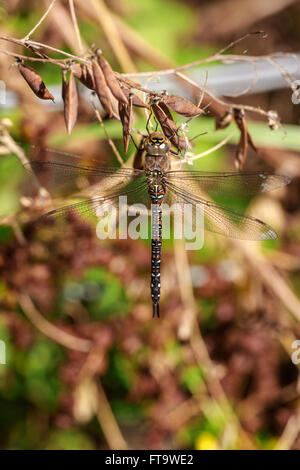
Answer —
(86, 366)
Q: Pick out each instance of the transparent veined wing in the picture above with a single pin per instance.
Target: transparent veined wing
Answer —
(226, 184)
(87, 212)
(62, 178)
(220, 219)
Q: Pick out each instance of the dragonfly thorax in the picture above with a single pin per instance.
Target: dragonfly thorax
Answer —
(157, 148)
(158, 163)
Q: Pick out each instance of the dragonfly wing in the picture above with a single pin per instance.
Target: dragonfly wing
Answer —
(87, 212)
(217, 218)
(63, 178)
(228, 184)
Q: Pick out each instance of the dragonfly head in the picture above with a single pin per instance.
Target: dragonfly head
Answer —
(157, 144)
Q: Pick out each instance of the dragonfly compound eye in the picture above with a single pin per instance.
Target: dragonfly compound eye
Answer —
(157, 140)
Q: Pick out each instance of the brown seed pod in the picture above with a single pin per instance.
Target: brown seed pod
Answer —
(64, 83)
(35, 82)
(70, 98)
(182, 106)
(125, 112)
(223, 121)
(138, 158)
(169, 127)
(166, 110)
(110, 78)
(245, 138)
(250, 142)
(221, 111)
(241, 151)
(101, 88)
(83, 73)
(136, 101)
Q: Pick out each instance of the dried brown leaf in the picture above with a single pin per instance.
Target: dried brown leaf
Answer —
(125, 112)
(70, 98)
(84, 74)
(111, 80)
(101, 88)
(35, 82)
(182, 106)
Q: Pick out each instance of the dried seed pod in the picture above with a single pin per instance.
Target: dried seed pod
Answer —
(111, 80)
(138, 158)
(70, 98)
(84, 74)
(223, 121)
(182, 106)
(35, 82)
(250, 141)
(169, 127)
(245, 138)
(241, 152)
(125, 112)
(136, 101)
(64, 83)
(166, 110)
(221, 111)
(101, 88)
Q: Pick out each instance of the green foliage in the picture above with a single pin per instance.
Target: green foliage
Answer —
(6, 234)
(10, 176)
(70, 439)
(120, 373)
(128, 413)
(112, 299)
(192, 378)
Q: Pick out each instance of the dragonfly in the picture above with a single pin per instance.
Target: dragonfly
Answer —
(154, 183)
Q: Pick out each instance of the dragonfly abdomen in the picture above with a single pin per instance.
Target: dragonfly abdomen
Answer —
(157, 190)
(156, 227)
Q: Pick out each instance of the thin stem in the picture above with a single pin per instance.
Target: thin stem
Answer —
(189, 331)
(75, 24)
(34, 44)
(125, 78)
(109, 423)
(40, 22)
(111, 31)
(213, 58)
(50, 330)
(110, 142)
(209, 151)
(33, 59)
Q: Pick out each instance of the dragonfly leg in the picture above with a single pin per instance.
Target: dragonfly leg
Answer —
(131, 136)
(148, 120)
